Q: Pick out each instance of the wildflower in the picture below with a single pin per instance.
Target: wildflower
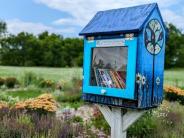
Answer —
(44, 101)
(172, 89)
(3, 105)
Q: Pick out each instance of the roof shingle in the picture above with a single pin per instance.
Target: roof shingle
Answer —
(128, 19)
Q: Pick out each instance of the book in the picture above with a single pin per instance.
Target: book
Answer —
(120, 80)
(110, 78)
(115, 79)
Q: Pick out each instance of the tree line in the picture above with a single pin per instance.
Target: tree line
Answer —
(174, 57)
(53, 50)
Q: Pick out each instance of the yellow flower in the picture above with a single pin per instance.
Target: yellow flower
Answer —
(172, 89)
(3, 105)
(44, 101)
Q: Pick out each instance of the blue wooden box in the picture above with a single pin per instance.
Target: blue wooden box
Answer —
(124, 57)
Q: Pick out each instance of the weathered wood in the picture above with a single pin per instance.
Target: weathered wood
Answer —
(119, 119)
(106, 113)
(107, 100)
(117, 124)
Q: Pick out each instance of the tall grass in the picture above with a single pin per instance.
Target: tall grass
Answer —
(55, 74)
(172, 76)
(16, 124)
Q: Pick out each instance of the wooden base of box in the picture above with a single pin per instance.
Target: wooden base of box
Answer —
(112, 101)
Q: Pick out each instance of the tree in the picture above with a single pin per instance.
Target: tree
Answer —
(174, 48)
(3, 28)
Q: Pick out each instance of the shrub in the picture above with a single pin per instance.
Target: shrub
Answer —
(175, 90)
(42, 104)
(47, 84)
(174, 118)
(72, 91)
(99, 121)
(3, 105)
(10, 82)
(25, 120)
(144, 127)
(77, 81)
(76, 84)
(77, 119)
(73, 86)
(59, 85)
(2, 81)
(29, 78)
(69, 97)
(174, 94)
(17, 124)
(8, 99)
(170, 121)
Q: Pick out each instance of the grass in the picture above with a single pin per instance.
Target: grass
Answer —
(164, 122)
(151, 126)
(54, 74)
(24, 94)
(173, 76)
(74, 105)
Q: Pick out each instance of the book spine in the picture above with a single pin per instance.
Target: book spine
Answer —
(102, 76)
(115, 79)
(120, 80)
(115, 74)
(109, 78)
(106, 78)
(110, 82)
(99, 79)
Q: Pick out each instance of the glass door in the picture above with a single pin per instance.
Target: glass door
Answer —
(109, 67)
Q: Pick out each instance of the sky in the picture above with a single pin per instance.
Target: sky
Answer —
(68, 17)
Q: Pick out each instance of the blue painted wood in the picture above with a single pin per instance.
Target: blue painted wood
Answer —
(128, 92)
(107, 100)
(150, 66)
(159, 68)
(119, 20)
(140, 95)
(144, 68)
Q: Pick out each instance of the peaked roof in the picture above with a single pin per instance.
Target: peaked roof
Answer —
(129, 19)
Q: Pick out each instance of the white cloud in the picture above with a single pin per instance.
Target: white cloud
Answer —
(67, 21)
(15, 26)
(82, 11)
(174, 18)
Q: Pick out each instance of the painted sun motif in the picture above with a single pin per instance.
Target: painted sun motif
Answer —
(153, 37)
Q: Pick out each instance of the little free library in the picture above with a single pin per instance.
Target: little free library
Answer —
(124, 53)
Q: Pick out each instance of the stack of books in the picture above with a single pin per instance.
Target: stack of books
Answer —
(110, 78)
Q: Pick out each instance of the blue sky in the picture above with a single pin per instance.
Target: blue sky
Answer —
(68, 17)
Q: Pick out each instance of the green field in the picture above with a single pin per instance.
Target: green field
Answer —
(172, 77)
(69, 97)
(24, 94)
(48, 73)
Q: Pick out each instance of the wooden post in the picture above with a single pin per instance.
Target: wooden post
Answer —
(119, 119)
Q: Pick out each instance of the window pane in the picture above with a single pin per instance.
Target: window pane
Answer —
(109, 67)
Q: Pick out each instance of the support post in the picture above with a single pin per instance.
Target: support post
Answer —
(119, 119)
